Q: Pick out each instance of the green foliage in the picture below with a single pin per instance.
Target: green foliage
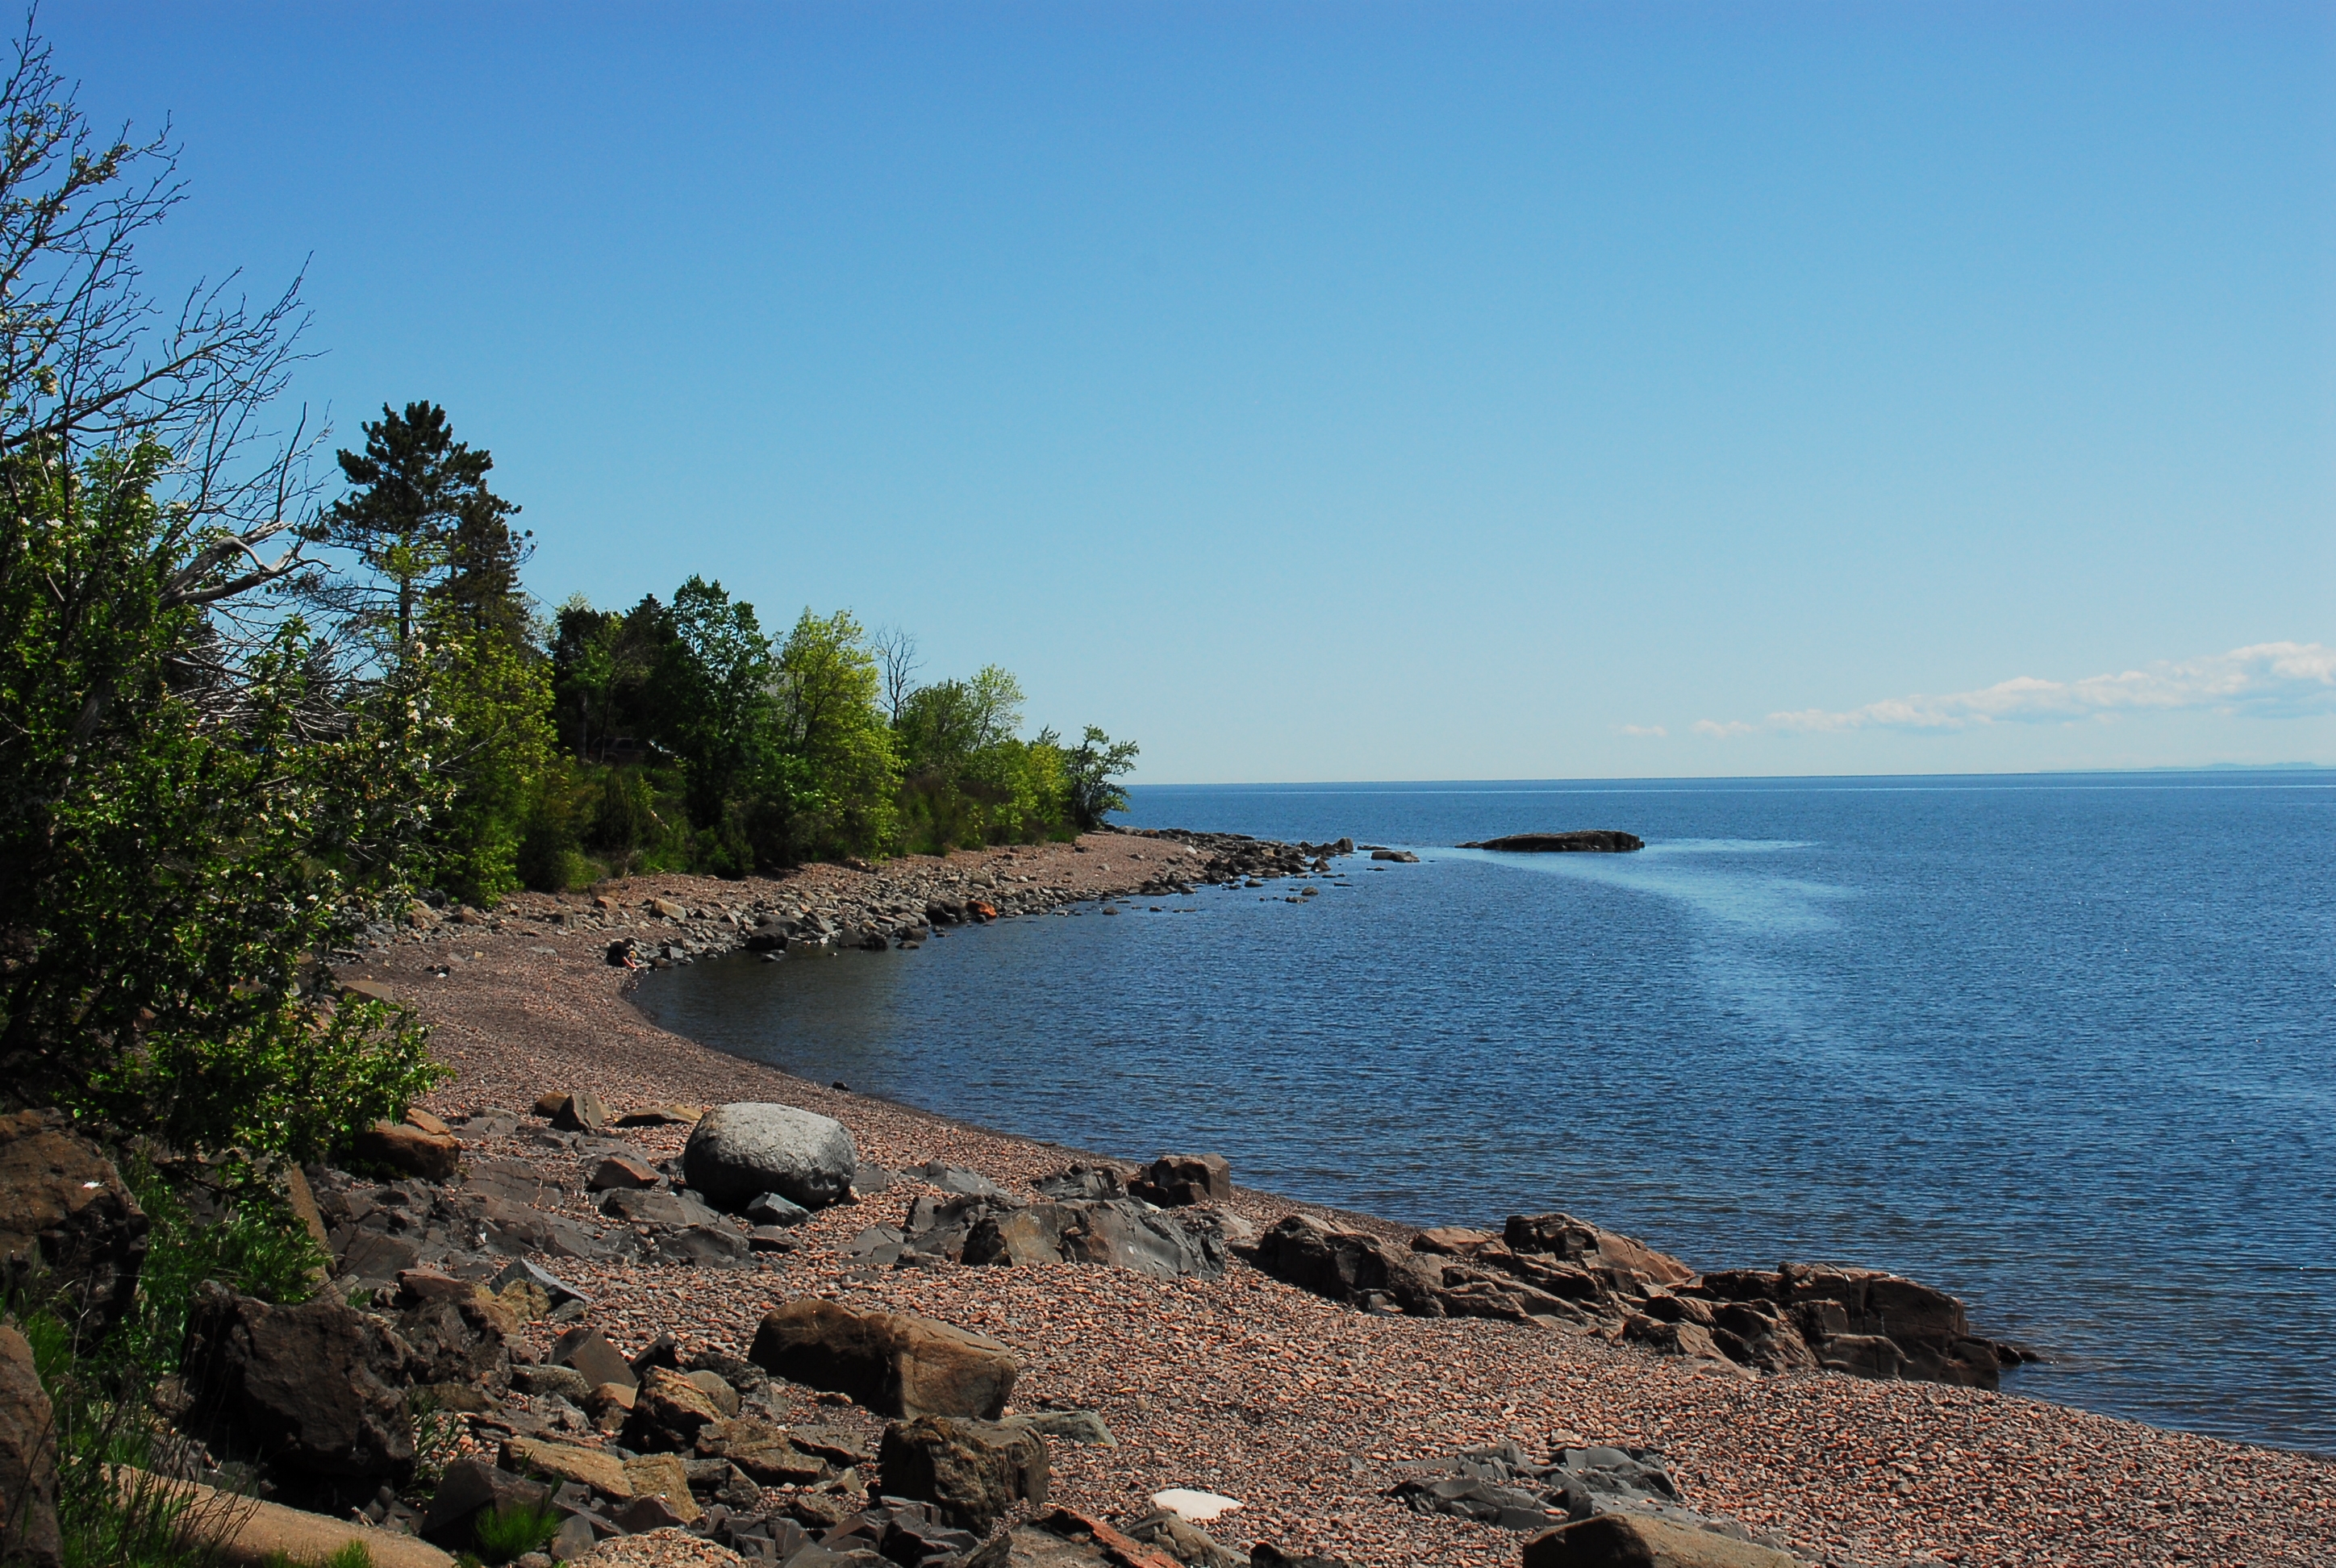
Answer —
(715, 682)
(352, 1555)
(830, 789)
(494, 696)
(175, 846)
(1094, 767)
(509, 1531)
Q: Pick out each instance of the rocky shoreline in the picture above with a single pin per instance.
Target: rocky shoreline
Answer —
(1314, 1403)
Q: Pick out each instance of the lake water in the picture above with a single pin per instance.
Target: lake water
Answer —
(2061, 1045)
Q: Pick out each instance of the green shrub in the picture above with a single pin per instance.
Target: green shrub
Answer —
(509, 1531)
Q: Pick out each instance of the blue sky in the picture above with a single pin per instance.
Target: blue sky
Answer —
(1355, 391)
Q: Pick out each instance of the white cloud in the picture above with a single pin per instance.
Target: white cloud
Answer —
(1645, 729)
(2268, 678)
(1722, 731)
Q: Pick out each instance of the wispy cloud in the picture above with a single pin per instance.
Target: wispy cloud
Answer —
(1654, 730)
(2268, 678)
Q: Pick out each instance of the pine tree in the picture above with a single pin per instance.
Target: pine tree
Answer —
(422, 523)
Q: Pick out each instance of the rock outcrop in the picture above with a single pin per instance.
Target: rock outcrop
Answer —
(738, 1152)
(1587, 840)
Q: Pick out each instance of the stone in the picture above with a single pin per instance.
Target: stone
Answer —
(596, 1468)
(468, 1485)
(1084, 1182)
(1579, 1241)
(575, 1539)
(1397, 857)
(1071, 1426)
(1121, 1235)
(717, 1388)
(1066, 1539)
(893, 1362)
(583, 1112)
(65, 1216)
(665, 908)
(636, 1207)
(1348, 1266)
(661, 1117)
(28, 1460)
(409, 1151)
(973, 1472)
(556, 1291)
(588, 1351)
(956, 1179)
(1187, 1542)
(620, 1170)
(777, 1208)
(1590, 840)
(415, 1116)
(1635, 1541)
(670, 1410)
(738, 1152)
(312, 1388)
(1193, 1506)
(666, 1478)
(566, 1382)
(458, 1340)
(1172, 1180)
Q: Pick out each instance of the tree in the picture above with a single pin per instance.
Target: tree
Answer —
(195, 806)
(896, 662)
(830, 785)
(421, 522)
(717, 682)
(1093, 767)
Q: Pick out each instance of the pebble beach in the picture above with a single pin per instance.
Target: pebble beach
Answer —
(1303, 1409)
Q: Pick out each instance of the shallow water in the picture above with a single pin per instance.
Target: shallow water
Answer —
(2060, 1045)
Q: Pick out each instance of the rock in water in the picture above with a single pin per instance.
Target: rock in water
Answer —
(974, 1471)
(738, 1152)
(28, 1460)
(1589, 841)
(892, 1362)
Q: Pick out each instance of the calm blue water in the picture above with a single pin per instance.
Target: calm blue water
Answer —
(2060, 1045)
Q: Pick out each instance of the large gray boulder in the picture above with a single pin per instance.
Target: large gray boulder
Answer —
(736, 1153)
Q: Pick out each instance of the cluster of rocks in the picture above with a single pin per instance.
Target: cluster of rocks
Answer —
(1235, 860)
(1564, 1271)
(1162, 1221)
(1500, 1485)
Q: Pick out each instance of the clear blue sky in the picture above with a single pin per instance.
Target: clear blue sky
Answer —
(1355, 391)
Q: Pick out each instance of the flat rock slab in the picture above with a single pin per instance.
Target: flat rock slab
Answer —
(1627, 1541)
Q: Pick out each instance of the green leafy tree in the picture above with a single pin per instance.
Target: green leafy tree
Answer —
(194, 807)
(716, 683)
(493, 697)
(1094, 768)
(830, 787)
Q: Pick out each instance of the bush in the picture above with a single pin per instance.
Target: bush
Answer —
(509, 1531)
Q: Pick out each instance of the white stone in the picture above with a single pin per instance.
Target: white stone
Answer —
(1194, 1507)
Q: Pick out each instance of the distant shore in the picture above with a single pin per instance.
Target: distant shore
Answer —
(1244, 1386)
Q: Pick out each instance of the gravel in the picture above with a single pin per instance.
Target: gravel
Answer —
(1303, 1409)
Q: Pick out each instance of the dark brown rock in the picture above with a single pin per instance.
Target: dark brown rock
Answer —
(973, 1472)
(468, 1487)
(69, 1229)
(583, 1112)
(312, 1388)
(619, 1171)
(409, 1150)
(895, 1363)
(1174, 1181)
(28, 1460)
(1350, 1266)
